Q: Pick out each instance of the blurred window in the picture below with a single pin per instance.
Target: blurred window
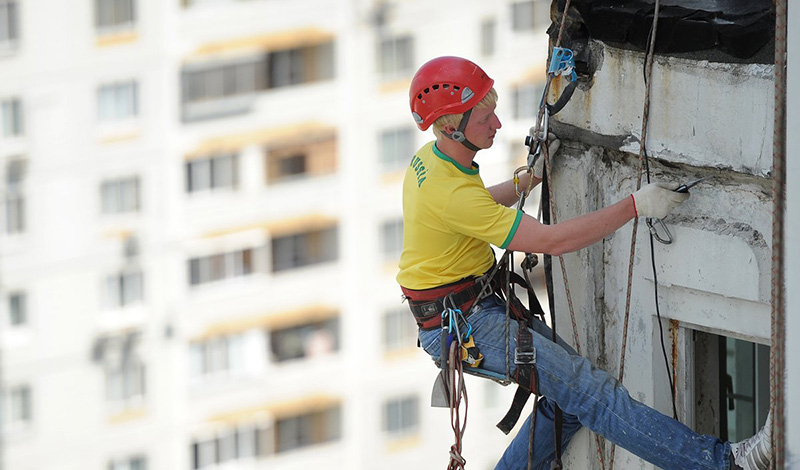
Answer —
(15, 221)
(118, 101)
(124, 371)
(299, 65)
(488, 32)
(112, 16)
(392, 238)
(120, 195)
(308, 429)
(399, 329)
(212, 172)
(530, 15)
(220, 266)
(401, 416)
(305, 340)
(527, 97)
(313, 156)
(12, 117)
(124, 288)
(9, 23)
(304, 249)
(221, 355)
(396, 148)
(15, 407)
(129, 463)
(240, 442)
(396, 57)
(17, 309)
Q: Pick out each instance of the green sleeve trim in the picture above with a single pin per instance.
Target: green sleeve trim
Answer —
(513, 230)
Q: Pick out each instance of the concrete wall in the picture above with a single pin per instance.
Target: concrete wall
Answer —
(706, 119)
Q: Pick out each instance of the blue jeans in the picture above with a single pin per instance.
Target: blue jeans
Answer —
(588, 397)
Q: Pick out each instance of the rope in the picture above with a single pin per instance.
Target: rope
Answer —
(645, 117)
(778, 316)
(458, 391)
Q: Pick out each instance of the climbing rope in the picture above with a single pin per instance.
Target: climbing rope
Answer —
(458, 392)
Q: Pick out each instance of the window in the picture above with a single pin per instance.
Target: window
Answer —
(527, 98)
(9, 23)
(220, 355)
(207, 82)
(220, 266)
(118, 101)
(124, 288)
(15, 407)
(308, 429)
(17, 309)
(401, 416)
(731, 386)
(396, 57)
(124, 370)
(114, 15)
(311, 158)
(399, 329)
(130, 463)
(120, 196)
(488, 28)
(304, 249)
(392, 238)
(240, 442)
(307, 340)
(529, 15)
(14, 196)
(213, 172)
(12, 117)
(396, 147)
(301, 65)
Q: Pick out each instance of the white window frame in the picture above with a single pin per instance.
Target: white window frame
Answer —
(120, 195)
(9, 24)
(124, 288)
(16, 402)
(14, 196)
(398, 329)
(396, 56)
(396, 147)
(12, 117)
(116, 22)
(22, 307)
(219, 172)
(118, 101)
(401, 416)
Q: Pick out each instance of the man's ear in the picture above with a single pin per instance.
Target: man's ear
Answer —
(449, 128)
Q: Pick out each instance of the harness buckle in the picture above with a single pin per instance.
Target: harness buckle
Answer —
(525, 357)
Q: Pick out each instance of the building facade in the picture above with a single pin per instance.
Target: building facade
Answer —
(201, 222)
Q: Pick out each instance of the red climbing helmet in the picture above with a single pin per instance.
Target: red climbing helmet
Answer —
(446, 85)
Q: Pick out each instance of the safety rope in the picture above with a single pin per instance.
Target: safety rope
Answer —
(458, 392)
(778, 314)
(645, 118)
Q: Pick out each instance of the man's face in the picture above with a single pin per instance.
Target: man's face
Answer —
(482, 127)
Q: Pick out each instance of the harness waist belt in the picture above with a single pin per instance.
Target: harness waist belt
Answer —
(427, 305)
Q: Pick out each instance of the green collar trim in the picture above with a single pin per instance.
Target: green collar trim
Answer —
(469, 171)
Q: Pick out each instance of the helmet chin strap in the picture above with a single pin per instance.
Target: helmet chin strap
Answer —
(458, 135)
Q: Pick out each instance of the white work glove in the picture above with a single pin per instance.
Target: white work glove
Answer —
(657, 200)
(553, 144)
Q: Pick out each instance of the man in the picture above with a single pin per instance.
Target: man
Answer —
(450, 219)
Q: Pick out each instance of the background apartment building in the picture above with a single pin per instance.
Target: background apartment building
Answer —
(201, 222)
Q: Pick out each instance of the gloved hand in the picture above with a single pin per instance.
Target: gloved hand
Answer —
(553, 144)
(657, 200)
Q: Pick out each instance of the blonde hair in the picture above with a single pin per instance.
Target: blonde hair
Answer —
(455, 119)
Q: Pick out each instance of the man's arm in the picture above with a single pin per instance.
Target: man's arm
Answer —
(573, 234)
(504, 192)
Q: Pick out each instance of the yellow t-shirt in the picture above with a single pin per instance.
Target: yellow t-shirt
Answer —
(449, 220)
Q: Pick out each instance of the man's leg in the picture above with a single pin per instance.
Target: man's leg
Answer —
(516, 454)
(599, 401)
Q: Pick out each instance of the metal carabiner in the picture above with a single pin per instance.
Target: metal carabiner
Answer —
(651, 224)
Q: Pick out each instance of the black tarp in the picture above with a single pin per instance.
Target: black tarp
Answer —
(739, 28)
